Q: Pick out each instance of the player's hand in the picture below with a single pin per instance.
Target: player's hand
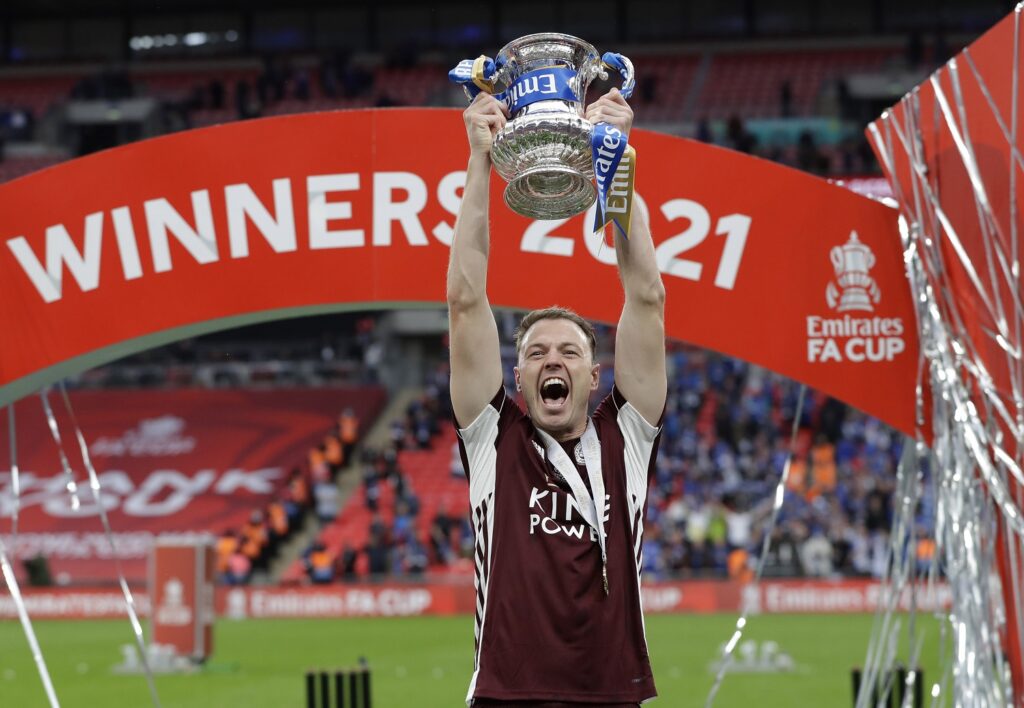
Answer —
(485, 116)
(611, 108)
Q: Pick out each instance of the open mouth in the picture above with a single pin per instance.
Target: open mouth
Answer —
(554, 392)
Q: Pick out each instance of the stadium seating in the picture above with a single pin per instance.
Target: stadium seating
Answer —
(749, 84)
(14, 167)
(427, 472)
(664, 83)
(36, 93)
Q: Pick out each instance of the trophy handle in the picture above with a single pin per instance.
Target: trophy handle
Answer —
(474, 76)
(836, 256)
(483, 73)
(621, 64)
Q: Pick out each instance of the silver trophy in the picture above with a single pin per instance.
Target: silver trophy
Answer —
(544, 150)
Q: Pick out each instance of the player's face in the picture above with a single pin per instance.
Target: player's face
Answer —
(556, 374)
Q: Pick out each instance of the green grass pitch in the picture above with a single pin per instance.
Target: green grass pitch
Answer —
(424, 662)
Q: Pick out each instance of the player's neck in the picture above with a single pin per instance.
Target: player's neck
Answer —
(567, 434)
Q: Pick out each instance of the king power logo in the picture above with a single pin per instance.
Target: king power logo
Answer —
(861, 333)
(553, 512)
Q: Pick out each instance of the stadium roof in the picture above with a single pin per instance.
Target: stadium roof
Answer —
(72, 8)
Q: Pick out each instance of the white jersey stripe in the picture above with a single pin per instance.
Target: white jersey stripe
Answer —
(479, 442)
(639, 437)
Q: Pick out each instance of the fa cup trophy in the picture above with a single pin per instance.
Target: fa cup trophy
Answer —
(547, 152)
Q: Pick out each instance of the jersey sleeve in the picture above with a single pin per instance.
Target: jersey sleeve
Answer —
(615, 408)
(478, 442)
(617, 416)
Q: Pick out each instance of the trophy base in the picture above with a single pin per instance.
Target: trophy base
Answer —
(550, 192)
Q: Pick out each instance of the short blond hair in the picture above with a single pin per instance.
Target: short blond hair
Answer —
(555, 313)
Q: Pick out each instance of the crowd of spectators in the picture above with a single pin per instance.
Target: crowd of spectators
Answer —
(286, 84)
(339, 76)
(335, 76)
(246, 550)
(727, 435)
(395, 543)
(725, 442)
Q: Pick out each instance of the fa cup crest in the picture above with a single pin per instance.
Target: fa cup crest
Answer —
(851, 262)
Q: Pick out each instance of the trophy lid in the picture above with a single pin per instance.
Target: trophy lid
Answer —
(536, 51)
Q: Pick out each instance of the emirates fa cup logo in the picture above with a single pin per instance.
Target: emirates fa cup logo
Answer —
(857, 290)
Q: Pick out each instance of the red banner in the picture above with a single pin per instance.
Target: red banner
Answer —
(168, 461)
(405, 600)
(271, 218)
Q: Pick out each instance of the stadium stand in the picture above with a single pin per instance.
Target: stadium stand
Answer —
(726, 433)
(705, 92)
(757, 81)
(753, 84)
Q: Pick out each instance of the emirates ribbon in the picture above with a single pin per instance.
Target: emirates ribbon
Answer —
(546, 84)
(614, 159)
(614, 175)
(549, 83)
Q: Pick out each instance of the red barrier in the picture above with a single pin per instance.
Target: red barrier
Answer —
(406, 600)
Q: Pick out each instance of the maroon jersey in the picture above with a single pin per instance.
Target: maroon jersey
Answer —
(545, 629)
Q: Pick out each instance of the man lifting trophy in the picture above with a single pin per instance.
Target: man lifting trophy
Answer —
(558, 496)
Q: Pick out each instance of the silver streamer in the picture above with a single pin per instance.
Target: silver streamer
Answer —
(69, 477)
(780, 494)
(8, 571)
(94, 486)
(26, 625)
(901, 583)
(12, 443)
(977, 397)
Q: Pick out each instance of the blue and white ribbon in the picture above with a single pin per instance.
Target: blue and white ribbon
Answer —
(614, 169)
(474, 75)
(614, 159)
(621, 64)
(551, 83)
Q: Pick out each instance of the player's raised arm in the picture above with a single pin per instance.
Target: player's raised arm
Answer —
(475, 355)
(640, 339)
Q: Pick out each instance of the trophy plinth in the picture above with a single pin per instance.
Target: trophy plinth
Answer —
(549, 191)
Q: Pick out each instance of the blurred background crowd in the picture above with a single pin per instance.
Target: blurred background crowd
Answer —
(793, 81)
(789, 80)
(396, 505)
